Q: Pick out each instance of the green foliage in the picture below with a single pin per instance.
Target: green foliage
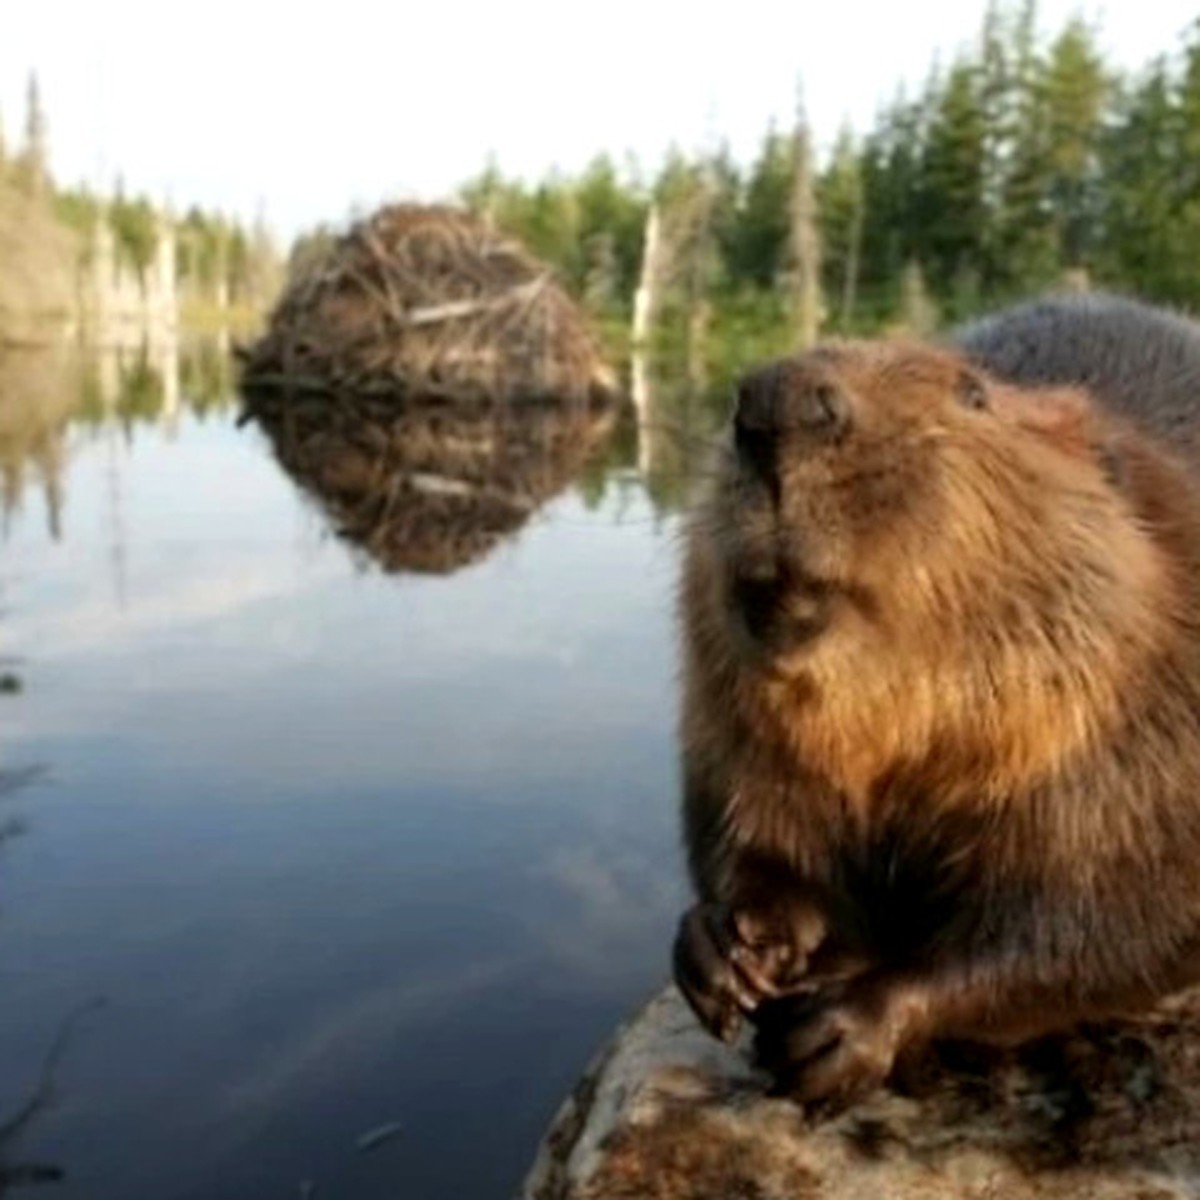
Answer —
(77, 209)
(220, 262)
(589, 229)
(609, 219)
(135, 229)
(756, 246)
(1151, 164)
(142, 393)
(206, 377)
(951, 197)
(840, 201)
(1024, 160)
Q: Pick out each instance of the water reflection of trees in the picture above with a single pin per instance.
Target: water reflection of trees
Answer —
(46, 392)
(428, 487)
(38, 390)
(53, 397)
(663, 442)
(16, 1171)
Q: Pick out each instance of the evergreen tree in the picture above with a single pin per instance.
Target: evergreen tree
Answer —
(135, 230)
(757, 250)
(952, 190)
(1076, 89)
(32, 174)
(611, 217)
(1026, 251)
(1188, 175)
(892, 192)
(1141, 170)
(840, 200)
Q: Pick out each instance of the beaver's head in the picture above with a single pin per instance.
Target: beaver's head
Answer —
(886, 491)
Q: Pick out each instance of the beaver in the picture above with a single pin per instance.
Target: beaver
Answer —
(941, 692)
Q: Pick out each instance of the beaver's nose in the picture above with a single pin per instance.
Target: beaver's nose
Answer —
(787, 398)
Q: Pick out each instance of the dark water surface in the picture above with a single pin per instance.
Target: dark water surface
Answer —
(334, 847)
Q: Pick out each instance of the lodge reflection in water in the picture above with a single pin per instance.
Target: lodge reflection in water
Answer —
(429, 486)
(426, 488)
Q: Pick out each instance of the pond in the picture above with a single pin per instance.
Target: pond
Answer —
(296, 847)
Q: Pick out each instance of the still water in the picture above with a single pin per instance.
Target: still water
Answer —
(310, 846)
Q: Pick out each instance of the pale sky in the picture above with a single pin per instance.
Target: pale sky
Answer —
(308, 111)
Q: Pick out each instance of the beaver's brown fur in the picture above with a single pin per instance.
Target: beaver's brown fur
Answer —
(941, 728)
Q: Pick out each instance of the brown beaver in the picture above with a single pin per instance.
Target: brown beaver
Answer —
(941, 727)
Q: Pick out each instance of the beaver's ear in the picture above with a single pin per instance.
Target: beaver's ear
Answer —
(1068, 420)
(971, 391)
(1061, 415)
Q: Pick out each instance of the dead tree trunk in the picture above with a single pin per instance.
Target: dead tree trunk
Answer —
(649, 289)
(699, 269)
(805, 242)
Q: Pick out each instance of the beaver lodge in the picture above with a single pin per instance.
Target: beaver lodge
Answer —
(428, 302)
(430, 385)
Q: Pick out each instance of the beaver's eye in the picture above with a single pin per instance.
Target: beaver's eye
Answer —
(972, 393)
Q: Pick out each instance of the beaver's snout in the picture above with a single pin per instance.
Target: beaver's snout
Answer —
(794, 400)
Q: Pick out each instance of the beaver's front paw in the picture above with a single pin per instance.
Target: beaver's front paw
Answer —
(728, 962)
(826, 1050)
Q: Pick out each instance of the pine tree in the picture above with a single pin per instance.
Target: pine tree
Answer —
(893, 222)
(758, 249)
(840, 197)
(952, 187)
(1076, 89)
(32, 174)
(995, 85)
(610, 219)
(1188, 161)
(1141, 170)
(1027, 250)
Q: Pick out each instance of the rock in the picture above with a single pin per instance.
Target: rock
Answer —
(1111, 1112)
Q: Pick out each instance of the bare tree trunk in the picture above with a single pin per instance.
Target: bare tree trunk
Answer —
(1076, 279)
(699, 270)
(805, 243)
(645, 308)
(649, 290)
(918, 312)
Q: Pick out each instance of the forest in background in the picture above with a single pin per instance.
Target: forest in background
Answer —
(225, 269)
(1024, 163)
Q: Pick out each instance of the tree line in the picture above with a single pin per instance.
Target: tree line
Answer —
(218, 257)
(1023, 163)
